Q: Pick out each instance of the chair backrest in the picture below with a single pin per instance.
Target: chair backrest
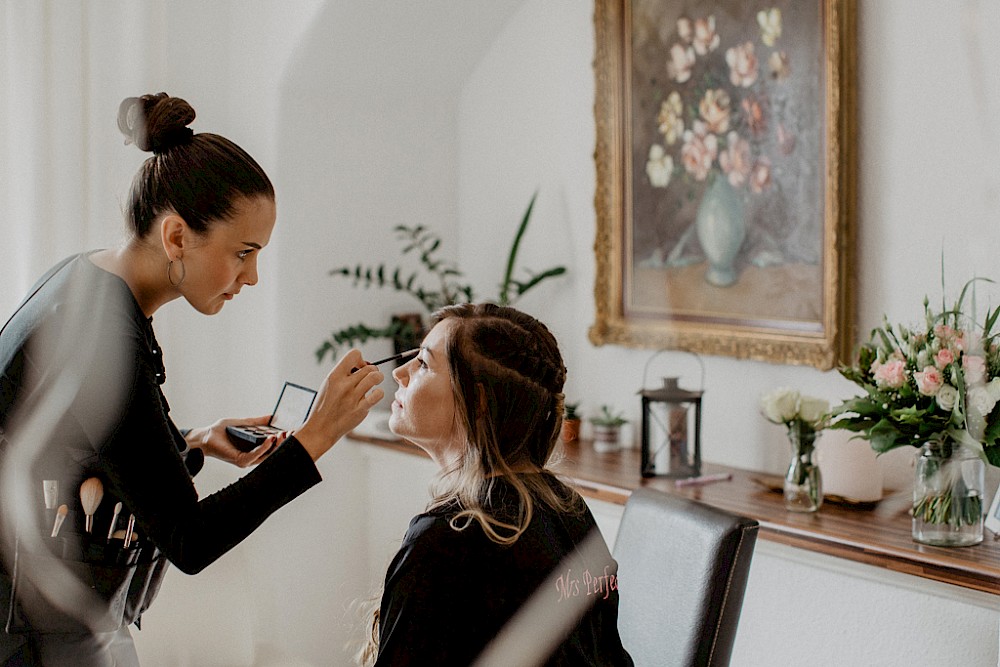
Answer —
(682, 573)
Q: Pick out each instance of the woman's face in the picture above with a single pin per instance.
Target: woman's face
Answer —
(220, 263)
(424, 408)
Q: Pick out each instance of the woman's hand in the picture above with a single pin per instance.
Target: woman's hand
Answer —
(343, 402)
(214, 442)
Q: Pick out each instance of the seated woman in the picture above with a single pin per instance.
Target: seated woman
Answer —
(484, 399)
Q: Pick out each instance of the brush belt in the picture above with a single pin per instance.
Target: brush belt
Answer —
(81, 584)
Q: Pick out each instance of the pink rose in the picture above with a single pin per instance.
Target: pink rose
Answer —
(944, 358)
(680, 63)
(714, 110)
(929, 380)
(699, 151)
(891, 374)
(705, 37)
(735, 160)
(975, 369)
(742, 63)
(760, 175)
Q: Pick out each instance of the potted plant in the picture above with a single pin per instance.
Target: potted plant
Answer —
(448, 288)
(607, 429)
(571, 422)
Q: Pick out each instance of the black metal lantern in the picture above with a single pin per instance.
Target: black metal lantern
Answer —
(671, 431)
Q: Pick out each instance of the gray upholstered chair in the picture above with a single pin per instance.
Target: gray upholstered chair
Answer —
(682, 573)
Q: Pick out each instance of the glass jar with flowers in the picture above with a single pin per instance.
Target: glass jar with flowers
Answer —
(934, 387)
(804, 417)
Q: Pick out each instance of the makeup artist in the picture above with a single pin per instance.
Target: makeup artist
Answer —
(81, 400)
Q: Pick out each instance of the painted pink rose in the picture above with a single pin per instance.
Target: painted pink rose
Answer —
(714, 110)
(755, 114)
(685, 29)
(891, 374)
(680, 63)
(779, 65)
(975, 369)
(760, 175)
(929, 380)
(699, 151)
(944, 358)
(742, 63)
(735, 160)
(705, 37)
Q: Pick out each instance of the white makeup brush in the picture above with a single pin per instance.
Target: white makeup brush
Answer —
(60, 517)
(114, 520)
(129, 531)
(50, 489)
(91, 492)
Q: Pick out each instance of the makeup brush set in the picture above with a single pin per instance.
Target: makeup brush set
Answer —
(112, 543)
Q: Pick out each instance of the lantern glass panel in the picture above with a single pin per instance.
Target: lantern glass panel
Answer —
(670, 439)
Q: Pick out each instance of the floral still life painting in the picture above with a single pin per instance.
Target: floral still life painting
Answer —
(727, 179)
(733, 172)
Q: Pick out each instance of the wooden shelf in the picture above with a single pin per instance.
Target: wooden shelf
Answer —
(878, 535)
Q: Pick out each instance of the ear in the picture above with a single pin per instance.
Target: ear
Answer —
(173, 234)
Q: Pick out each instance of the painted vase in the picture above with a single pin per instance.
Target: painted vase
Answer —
(721, 229)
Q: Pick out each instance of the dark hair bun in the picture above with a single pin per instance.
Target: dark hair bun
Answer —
(155, 123)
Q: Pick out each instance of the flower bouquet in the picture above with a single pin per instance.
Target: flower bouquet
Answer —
(803, 416)
(936, 388)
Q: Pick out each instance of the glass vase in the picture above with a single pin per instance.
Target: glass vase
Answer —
(948, 484)
(803, 481)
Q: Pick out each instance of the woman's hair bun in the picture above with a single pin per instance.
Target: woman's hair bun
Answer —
(155, 123)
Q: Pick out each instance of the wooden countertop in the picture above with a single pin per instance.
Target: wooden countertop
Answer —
(877, 534)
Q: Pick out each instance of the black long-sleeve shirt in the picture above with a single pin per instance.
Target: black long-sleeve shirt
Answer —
(81, 355)
(448, 593)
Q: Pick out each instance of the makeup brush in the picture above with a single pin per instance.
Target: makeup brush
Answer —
(395, 357)
(91, 492)
(114, 520)
(129, 530)
(50, 489)
(60, 517)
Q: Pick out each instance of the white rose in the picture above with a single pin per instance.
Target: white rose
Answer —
(981, 401)
(993, 387)
(946, 397)
(811, 410)
(781, 405)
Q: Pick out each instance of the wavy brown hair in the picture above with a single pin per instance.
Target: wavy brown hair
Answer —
(507, 377)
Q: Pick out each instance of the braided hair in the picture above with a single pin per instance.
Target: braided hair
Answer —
(507, 376)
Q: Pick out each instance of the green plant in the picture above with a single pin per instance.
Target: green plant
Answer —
(447, 289)
(570, 410)
(608, 418)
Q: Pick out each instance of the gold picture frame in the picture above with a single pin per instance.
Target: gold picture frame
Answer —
(726, 129)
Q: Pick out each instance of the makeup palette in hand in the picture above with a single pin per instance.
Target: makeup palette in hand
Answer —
(294, 404)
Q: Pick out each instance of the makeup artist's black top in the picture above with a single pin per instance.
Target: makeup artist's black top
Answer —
(449, 592)
(81, 356)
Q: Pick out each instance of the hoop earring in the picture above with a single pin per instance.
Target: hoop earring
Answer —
(183, 273)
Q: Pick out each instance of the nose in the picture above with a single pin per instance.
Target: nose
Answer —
(402, 374)
(249, 276)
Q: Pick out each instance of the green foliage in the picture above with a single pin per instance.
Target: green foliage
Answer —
(441, 286)
(608, 417)
(570, 410)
